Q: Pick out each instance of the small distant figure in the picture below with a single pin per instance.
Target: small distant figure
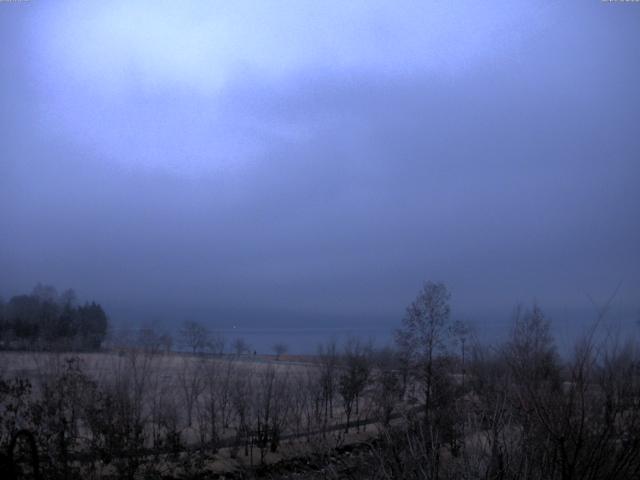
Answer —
(254, 352)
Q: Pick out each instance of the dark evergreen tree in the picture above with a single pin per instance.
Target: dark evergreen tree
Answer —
(45, 319)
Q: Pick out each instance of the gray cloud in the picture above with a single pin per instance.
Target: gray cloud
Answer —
(329, 194)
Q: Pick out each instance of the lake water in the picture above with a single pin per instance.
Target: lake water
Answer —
(303, 340)
(567, 326)
(565, 330)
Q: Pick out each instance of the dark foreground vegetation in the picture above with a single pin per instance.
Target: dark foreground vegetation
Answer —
(438, 406)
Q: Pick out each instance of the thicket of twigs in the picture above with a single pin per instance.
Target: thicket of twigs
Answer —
(438, 406)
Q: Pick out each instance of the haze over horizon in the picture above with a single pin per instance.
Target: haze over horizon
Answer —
(309, 164)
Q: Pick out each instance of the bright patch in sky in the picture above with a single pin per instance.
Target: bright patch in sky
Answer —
(112, 68)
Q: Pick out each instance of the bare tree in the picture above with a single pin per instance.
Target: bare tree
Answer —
(314, 401)
(386, 388)
(270, 409)
(241, 399)
(300, 402)
(583, 427)
(354, 376)
(120, 414)
(240, 346)
(280, 349)
(462, 332)
(531, 351)
(328, 363)
(216, 406)
(191, 381)
(150, 340)
(423, 336)
(195, 336)
(216, 343)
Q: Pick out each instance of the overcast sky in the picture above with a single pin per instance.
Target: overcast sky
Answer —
(311, 163)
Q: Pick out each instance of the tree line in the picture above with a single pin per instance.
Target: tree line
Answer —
(439, 404)
(515, 410)
(45, 319)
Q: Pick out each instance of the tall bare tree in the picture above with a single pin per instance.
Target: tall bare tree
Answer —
(424, 334)
(328, 362)
(280, 349)
(240, 346)
(195, 336)
(354, 375)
